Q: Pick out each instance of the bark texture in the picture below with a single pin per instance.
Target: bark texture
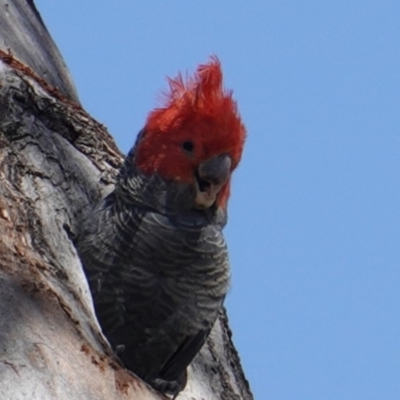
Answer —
(24, 35)
(55, 162)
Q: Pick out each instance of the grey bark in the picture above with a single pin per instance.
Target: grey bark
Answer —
(24, 35)
(55, 163)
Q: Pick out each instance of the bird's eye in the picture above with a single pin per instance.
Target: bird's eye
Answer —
(188, 146)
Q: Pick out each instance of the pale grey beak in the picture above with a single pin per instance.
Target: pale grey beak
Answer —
(210, 178)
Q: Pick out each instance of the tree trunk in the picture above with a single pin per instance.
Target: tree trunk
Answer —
(55, 163)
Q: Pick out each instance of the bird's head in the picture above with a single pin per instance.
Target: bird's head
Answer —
(196, 138)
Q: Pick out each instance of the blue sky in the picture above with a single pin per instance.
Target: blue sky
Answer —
(314, 225)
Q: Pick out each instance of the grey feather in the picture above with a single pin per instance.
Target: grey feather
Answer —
(158, 271)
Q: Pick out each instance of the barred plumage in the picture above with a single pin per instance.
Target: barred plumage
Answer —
(157, 280)
(153, 250)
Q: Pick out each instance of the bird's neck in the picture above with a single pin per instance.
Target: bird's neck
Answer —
(134, 189)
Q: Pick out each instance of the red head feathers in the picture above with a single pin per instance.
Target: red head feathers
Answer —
(199, 121)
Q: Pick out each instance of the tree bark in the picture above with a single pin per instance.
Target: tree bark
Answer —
(24, 35)
(55, 163)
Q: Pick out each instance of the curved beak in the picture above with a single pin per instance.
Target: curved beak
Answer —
(211, 176)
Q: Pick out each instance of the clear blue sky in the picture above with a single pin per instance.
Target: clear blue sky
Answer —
(314, 228)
